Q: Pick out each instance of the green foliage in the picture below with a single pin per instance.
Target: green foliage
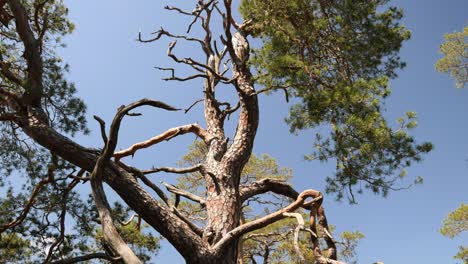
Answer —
(41, 227)
(455, 60)
(14, 248)
(337, 58)
(455, 224)
(462, 255)
(349, 244)
(22, 161)
(65, 111)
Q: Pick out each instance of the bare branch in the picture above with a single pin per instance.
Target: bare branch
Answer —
(201, 67)
(269, 219)
(111, 234)
(102, 125)
(85, 258)
(300, 226)
(173, 8)
(192, 105)
(169, 134)
(267, 185)
(126, 223)
(195, 168)
(180, 79)
(161, 32)
(331, 243)
(274, 88)
(171, 188)
(154, 187)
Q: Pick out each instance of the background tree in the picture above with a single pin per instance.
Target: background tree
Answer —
(455, 60)
(455, 224)
(335, 56)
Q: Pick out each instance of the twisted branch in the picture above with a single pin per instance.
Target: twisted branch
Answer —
(169, 134)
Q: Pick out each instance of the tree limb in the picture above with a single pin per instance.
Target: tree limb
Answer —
(169, 134)
(180, 79)
(32, 54)
(195, 168)
(27, 207)
(269, 219)
(111, 234)
(85, 258)
(171, 188)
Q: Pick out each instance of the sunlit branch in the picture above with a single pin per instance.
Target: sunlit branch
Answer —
(269, 219)
(171, 188)
(111, 234)
(195, 168)
(166, 136)
(300, 226)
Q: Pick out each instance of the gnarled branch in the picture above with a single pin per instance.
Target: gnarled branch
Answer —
(171, 188)
(195, 168)
(169, 134)
(111, 234)
(99, 255)
(269, 219)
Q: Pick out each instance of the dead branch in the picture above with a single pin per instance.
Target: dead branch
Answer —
(195, 168)
(102, 125)
(269, 219)
(169, 134)
(192, 105)
(126, 223)
(171, 188)
(300, 226)
(274, 88)
(267, 185)
(111, 234)
(85, 258)
(180, 79)
(331, 243)
(201, 67)
(161, 32)
(154, 187)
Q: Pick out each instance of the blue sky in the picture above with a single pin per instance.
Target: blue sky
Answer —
(110, 69)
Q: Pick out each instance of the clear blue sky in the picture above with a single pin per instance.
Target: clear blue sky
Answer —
(110, 69)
